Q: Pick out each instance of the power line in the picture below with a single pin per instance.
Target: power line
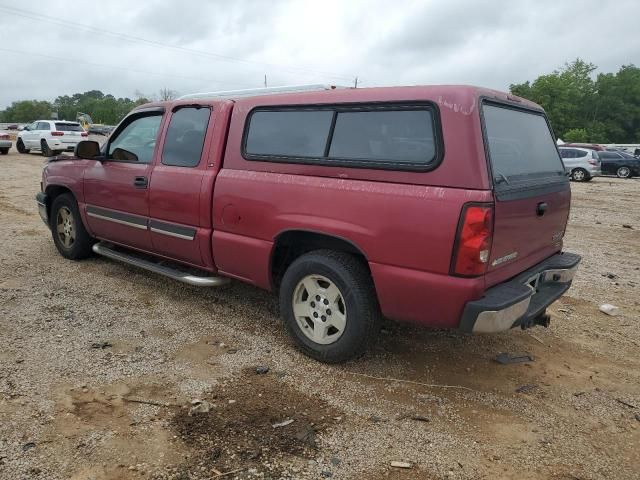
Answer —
(132, 38)
(116, 67)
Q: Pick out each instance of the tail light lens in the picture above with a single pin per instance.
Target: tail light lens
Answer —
(84, 134)
(593, 162)
(57, 134)
(473, 241)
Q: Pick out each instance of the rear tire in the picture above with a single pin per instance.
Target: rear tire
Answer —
(4, 151)
(69, 235)
(329, 306)
(623, 172)
(579, 175)
(20, 146)
(44, 147)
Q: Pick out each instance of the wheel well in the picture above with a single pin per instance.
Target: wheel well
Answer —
(292, 244)
(52, 192)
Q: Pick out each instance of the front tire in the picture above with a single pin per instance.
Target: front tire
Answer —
(329, 306)
(20, 146)
(44, 147)
(623, 172)
(69, 235)
(579, 175)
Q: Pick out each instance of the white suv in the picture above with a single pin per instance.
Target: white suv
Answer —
(51, 137)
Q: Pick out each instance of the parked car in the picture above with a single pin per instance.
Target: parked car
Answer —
(622, 164)
(100, 129)
(592, 146)
(50, 137)
(5, 143)
(581, 163)
(350, 203)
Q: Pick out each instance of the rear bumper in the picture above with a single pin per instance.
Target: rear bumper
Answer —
(522, 299)
(55, 144)
(41, 201)
(5, 144)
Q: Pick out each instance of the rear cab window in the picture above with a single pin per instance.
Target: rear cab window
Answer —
(521, 148)
(399, 137)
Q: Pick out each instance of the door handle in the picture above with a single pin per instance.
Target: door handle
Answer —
(541, 208)
(140, 182)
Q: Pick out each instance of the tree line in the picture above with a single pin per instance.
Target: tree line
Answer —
(581, 108)
(103, 108)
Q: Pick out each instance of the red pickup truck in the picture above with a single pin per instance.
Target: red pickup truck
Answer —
(444, 206)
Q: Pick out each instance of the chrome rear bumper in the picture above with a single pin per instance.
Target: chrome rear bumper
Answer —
(520, 301)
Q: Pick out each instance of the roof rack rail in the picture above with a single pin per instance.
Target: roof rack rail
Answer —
(252, 92)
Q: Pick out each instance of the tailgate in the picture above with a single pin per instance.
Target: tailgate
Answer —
(532, 193)
(72, 132)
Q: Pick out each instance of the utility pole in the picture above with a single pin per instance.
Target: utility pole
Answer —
(355, 83)
(265, 80)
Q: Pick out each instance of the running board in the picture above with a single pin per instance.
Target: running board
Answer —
(174, 273)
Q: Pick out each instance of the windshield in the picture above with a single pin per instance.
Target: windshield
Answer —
(520, 145)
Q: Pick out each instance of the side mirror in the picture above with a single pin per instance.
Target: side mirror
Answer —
(88, 149)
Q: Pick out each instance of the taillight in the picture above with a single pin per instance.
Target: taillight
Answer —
(472, 247)
(84, 134)
(593, 162)
(57, 134)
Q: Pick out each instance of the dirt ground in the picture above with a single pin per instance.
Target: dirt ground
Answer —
(108, 372)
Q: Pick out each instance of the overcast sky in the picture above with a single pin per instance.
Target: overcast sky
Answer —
(50, 48)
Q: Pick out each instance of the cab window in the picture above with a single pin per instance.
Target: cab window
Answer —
(185, 137)
(136, 142)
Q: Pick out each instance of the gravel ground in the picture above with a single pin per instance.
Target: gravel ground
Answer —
(101, 365)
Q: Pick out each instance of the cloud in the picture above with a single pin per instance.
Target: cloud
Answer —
(492, 44)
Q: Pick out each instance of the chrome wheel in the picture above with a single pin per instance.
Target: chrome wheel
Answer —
(65, 228)
(578, 175)
(319, 309)
(623, 172)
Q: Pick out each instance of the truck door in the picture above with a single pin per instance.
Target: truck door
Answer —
(116, 189)
(180, 190)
